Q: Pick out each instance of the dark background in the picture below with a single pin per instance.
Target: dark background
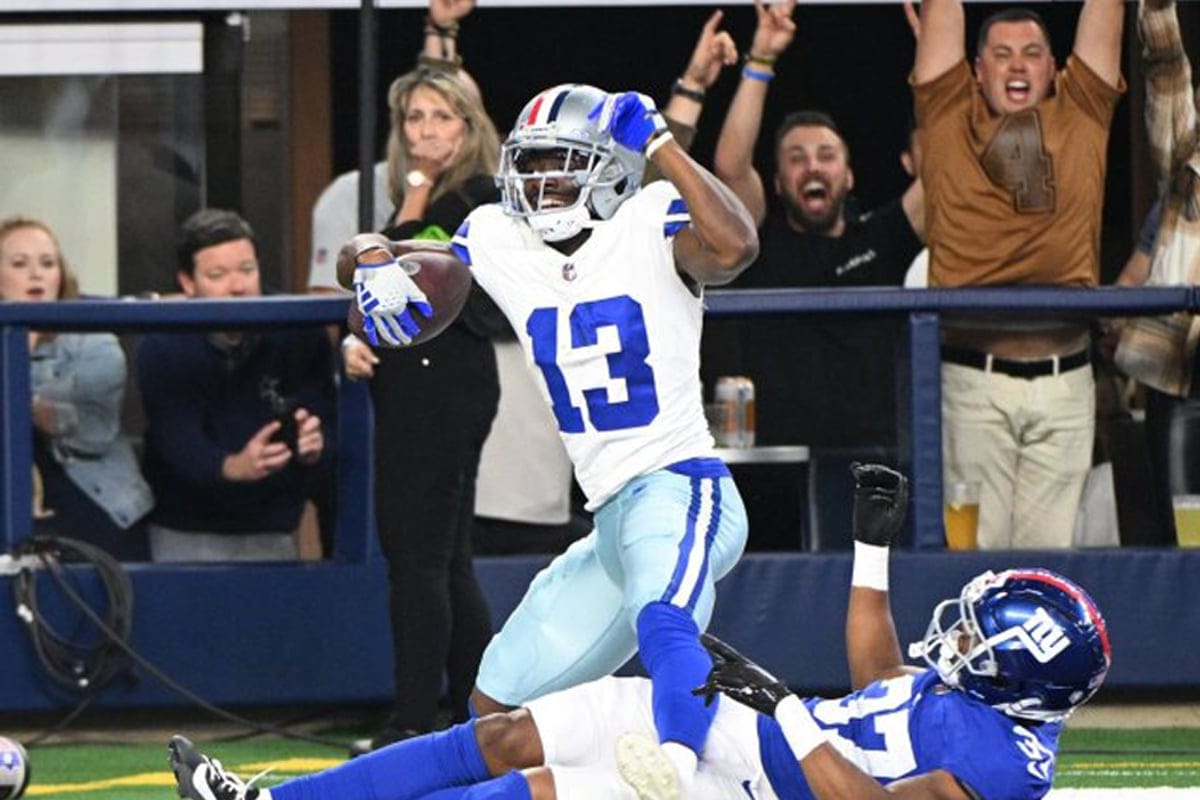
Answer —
(849, 60)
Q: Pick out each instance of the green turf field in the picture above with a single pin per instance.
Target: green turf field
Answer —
(1091, 758)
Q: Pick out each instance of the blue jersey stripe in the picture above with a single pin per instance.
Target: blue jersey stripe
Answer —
(459, 249)
(672, 228)
(459, 245)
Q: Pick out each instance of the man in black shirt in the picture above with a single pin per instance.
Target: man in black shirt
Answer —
(820, 381)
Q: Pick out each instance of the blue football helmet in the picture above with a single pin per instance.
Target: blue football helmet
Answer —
(1028, 642)
(564, 120)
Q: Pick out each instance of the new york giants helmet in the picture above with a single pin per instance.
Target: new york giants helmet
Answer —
(1028, 642)
(564, 119)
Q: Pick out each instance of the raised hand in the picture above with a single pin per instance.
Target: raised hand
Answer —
(880, 503)
(384, 293)
(714, 49)
(775, 29)
(631, 118)
(740, 679)
(445, 13)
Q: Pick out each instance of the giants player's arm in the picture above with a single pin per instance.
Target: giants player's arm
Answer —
(831, 777)
(941, 44)
(872, 647)
(721, 240)
(1098, 38)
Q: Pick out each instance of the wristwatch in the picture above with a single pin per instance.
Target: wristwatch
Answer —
(416, 178)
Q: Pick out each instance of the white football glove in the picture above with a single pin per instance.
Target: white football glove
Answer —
(386, 296)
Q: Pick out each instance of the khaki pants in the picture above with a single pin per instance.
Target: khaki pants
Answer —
(1029, 444)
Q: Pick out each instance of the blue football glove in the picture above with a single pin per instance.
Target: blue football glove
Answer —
(386, 296)
(631, 118)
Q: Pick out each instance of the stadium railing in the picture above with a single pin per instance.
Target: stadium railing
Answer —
(921, 392)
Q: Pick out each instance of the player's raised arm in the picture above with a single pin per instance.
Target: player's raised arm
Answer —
(941, 43)
(880, 505)
(721, 240)
(1098, 38)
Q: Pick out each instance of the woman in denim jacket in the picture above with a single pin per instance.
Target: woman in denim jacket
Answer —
(90, 475)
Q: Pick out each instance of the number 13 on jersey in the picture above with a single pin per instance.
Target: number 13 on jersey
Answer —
(627, 364)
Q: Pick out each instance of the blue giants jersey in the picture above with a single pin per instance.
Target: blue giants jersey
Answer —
(613, 330)
(913, 724)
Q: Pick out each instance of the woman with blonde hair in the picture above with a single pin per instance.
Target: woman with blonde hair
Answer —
(434, 407)
(92, 487)
(447, 165)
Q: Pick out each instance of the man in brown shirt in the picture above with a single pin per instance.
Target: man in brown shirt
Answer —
(1015, 182)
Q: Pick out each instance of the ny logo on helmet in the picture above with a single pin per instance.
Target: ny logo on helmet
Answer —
(1040, 635)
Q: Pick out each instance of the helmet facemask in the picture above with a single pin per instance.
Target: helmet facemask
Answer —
(954, 644)
(604, 173)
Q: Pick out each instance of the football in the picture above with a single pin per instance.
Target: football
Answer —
(14, 769)
(444, 279)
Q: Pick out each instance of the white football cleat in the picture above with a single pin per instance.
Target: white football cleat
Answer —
(646, 768)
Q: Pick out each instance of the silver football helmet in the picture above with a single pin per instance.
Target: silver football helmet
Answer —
(562, 122)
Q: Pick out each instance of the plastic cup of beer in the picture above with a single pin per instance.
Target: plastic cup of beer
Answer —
(961, 515)
(1187, 519)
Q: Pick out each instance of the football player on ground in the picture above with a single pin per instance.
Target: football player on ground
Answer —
(602, 279)
(1011, 657)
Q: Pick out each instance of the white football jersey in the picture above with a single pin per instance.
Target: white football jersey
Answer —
(613, 330)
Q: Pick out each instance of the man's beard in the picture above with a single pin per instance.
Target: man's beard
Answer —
(821, 223)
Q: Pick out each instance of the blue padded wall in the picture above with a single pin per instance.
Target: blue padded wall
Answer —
(315, 634)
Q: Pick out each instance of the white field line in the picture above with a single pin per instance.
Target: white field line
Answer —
(1112, 794)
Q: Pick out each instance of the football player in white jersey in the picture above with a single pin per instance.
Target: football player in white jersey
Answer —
(1011, 657)
(602, 279)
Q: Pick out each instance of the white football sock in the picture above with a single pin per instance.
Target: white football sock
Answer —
(685, 761)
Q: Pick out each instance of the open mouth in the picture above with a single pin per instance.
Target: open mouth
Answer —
(35, 293)
(814, 194)
(1017, 92)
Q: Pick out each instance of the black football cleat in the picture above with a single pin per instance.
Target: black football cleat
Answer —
(198, 777)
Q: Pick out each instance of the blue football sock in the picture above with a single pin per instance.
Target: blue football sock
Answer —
(669, 643)
(406, 770)
(512, 786)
